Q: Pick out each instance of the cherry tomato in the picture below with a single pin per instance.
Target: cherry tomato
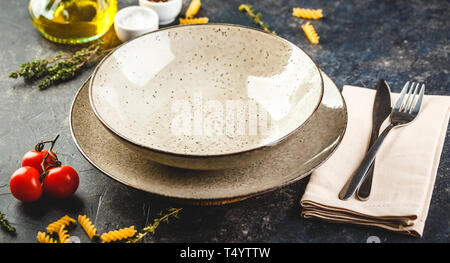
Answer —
(25, 184)
(61, 181)
(34, 159)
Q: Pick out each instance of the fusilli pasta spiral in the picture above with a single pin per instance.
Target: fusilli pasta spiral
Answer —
(63, 236)
(118, 234)
(87, 225)
(199, 20)
(307, 13)
(43, 238)
(193, 8)
(62, 222)
(311, 33)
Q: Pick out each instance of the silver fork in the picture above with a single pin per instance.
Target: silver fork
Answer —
(403, 113)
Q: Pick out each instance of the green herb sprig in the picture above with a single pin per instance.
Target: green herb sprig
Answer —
(5, 224)
(169, 212)
(63, 66)
(256, 17)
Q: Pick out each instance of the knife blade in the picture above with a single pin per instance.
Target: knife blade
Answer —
(381, 110)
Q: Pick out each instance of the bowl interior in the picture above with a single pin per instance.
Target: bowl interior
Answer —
(206, 89)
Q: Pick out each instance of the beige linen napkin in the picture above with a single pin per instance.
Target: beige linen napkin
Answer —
(404, 173)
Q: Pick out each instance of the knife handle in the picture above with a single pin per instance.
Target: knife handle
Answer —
(355, 181)
(364, 190)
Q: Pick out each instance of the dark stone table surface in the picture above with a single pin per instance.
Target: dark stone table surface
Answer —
(360, 42)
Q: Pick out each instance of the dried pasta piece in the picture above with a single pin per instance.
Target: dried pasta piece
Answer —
(63, 236)
(118, 234)
(87, 225)
(62, 222)
(199, 20)
(43, 238)
(307, 13)
(311, 33)
(193, 8)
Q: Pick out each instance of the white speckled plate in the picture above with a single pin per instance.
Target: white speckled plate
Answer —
(169, 93)
(310, 147)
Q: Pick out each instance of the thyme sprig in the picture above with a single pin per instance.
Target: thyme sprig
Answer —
(169, 212)
(256, 17)
(5, 224)
(63, 66)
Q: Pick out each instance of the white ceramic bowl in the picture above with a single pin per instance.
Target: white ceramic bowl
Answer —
(206, 96)
(133, 21)
(167, 11)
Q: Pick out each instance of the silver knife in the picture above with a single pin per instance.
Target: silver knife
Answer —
(381, 110)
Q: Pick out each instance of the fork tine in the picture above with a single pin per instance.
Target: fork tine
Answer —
(409, 107)
(398, 103)
(404, 105)
(419, 100)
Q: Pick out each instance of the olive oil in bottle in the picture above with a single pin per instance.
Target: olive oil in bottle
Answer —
(72, 21)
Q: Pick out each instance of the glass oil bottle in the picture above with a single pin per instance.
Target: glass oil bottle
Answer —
(72, 21)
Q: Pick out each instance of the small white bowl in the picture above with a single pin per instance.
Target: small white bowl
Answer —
(133, 21)
(167, 11)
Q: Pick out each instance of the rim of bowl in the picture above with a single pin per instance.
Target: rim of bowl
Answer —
(153, 15)
(270, 144)
(157, 3)
(206, 201)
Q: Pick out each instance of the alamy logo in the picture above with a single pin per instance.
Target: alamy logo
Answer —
(373, 239)
(213, 117)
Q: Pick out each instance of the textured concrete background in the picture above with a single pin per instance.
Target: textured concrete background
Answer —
(360, 41)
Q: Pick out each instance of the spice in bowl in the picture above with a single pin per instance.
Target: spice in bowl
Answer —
(134, 21)
(167, 10)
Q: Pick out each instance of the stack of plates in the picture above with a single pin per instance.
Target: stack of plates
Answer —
(208, 114)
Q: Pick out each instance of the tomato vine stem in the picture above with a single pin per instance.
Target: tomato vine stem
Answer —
(49, 152)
